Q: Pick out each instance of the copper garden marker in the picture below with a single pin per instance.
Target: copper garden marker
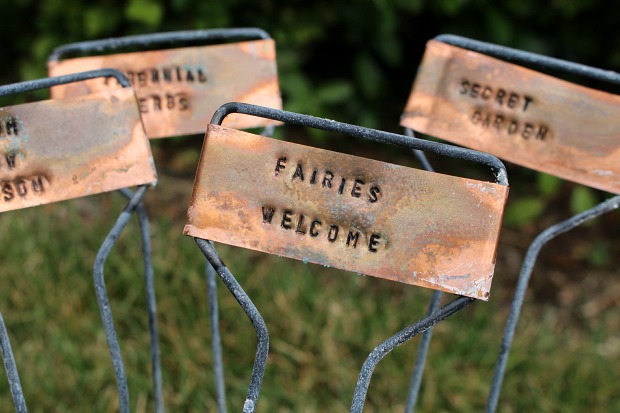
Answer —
(179, 89)
(517, 114)
(352, 213)
(61, 149)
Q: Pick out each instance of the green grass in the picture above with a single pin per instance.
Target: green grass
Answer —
(323, 323)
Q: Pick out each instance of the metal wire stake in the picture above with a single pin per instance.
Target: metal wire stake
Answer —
(11, 370)
(104, 302)
(151, 301)
(157, 39)
(216, 342)
(418, 368)
(522, 57)
(363, 381)
(355, 131)
(31, 85)
(262, 335)
(545, 63)
(524, 278)
(498, 168)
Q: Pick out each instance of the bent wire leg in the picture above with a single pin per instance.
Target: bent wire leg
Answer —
(418, 368)
(216, 341)
(11, 369)
(363, 381)
(151, 302)
(103, 301)
(262, 348)
(524, 278)
(218, 365)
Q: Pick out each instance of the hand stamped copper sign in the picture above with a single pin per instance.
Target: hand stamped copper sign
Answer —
(61, 149)
(179, 89)
(515, 113)
(343, 211)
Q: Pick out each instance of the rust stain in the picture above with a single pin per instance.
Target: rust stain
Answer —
(179, 89)
(47, 154)
(517, 114)
(347, 212)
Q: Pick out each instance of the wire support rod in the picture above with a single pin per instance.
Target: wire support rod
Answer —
(498, 168)
(216, 341)
(157, 39)
(262, 335)
(383, 349)
(528, 58)
(524, 277)
(104, 302)
(151, 302)
(11, 370)
(413, 392)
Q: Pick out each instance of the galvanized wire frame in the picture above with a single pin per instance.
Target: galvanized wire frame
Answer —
(172, 39)
(157, 39)
(135, 203)
(543, 63)
(214, 322)
(209, 251)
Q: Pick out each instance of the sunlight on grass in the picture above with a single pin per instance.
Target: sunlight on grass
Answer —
(323, 323)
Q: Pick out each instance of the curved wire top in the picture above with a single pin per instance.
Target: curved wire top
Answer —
(442, 149)
(519, 56)
(157, 39)
(47, 82)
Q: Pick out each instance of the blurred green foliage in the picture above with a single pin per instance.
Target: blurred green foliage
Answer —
(353, 62)
(323, 323)
(349, 61)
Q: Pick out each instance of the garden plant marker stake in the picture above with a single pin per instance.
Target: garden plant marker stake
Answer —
(348, 212)
(518, 114)
(464, 95)
(178, 91)
(50, 157)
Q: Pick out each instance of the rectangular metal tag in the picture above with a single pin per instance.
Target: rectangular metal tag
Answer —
(517, 114)
(179, 89)
(61, 149)
(347, 212)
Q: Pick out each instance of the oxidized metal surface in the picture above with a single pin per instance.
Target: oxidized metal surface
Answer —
(179, 89)
(517, 114)
(347, 212)
(61, 149)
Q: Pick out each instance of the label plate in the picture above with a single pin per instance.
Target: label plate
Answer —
(517, 114)
(179, 89)
(61, 149)
(347, 212)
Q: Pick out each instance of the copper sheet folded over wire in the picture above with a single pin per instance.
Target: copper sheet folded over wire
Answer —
(347, 212)
(55, 150)
(517, 114)
(179, 89)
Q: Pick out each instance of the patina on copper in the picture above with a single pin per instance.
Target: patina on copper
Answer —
(179, 89)
(517, 114)
(347, 212)
(67, 148)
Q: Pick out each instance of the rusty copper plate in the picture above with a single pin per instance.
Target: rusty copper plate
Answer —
(517, 114)
(61, 149)
(179, 89)
(347, 212)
